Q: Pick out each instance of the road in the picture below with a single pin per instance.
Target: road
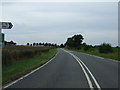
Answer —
(71, 69)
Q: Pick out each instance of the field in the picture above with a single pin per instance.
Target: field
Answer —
(19, 60)
(11, 54)
(114, 55)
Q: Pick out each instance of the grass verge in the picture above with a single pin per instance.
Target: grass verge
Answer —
(23, 67)
(95, 52)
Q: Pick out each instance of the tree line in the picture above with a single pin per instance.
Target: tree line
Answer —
(75, 42)
(42, 44)
(9, 43)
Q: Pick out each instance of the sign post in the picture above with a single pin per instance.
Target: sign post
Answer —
(4, 25)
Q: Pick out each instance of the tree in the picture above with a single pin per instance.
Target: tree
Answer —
(69, 42)
(52, 44)
(43, 44)
(87, 47)
(61, 45)
(84, 44)
(75, 41)
(12, 43)
(33, 44)
(46, 44)
(105, 48)
(40, 44)
(37, 44)
(55, 45)
(28, 44)
(9, 43)
(49, 44)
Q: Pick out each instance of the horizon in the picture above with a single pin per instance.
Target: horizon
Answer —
(54, 22)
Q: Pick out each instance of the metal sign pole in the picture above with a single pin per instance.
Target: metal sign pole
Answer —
(0, 34)
(0, 37)
(0, 58)
(3, 25)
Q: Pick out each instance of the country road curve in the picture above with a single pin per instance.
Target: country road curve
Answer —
(71, 69)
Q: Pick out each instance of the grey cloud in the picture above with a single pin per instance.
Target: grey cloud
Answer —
(39, 21)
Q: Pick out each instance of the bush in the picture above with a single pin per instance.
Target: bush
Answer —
(105, 48)
(87, 48)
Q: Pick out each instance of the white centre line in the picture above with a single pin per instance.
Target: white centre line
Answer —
(87, 76)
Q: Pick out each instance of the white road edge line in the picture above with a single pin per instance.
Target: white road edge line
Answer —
(113, 60)
(29, 73)
(89, 81)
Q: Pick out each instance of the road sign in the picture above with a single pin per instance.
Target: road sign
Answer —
(6, 25)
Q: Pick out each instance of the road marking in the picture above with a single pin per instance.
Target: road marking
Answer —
(89, 81)
(100, 57)
(29, 73)
(98, 86)
(87, 76)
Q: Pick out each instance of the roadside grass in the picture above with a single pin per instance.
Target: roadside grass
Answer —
(22, 67)
(114, 55)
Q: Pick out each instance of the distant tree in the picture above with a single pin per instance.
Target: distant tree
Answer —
(33, 44)
(49, 44)
(46, 44)
(52, 44)
(28, 44)
(40, 44)
(75, 41)
(91, 46)
(87, 47)
(105, 48)
(43, 44)
(12, 43)
(69, 42)
(61, 45)
(9, 43)
(84, 44)
(55, 45)
(37, 44)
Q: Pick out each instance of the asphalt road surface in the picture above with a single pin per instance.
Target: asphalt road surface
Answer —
(71, 69)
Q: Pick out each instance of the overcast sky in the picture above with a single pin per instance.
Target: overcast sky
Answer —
(54, 22)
